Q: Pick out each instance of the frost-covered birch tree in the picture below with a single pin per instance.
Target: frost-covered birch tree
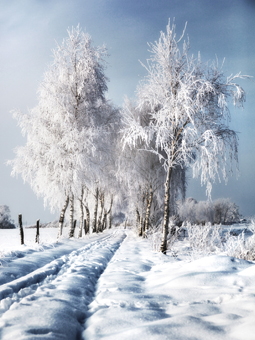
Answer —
(188, 114)
(142, 176)
(64, 129)
(102, 188)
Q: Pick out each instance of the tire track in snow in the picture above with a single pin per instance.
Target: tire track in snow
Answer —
(37, 276)
(55, 297)
(22, 262)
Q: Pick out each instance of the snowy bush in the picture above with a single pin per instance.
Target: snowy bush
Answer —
(241, 246)
(5, 218)
(155, 239)
(205, 239)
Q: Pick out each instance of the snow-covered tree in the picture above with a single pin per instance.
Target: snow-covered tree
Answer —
(103, 187)
(63, 131)
(188, 116)
(142, 176)
(225, 211)
(5, 218)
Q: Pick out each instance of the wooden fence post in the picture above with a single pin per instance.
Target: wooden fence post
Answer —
(21, 229)
(37, 231)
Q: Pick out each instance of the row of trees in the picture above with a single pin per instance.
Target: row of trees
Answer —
(81, 148)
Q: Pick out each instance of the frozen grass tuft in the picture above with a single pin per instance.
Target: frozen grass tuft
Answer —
(154, 235)
(205, 239)
(241, 246)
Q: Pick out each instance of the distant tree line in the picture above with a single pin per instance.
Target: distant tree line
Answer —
(220, 211)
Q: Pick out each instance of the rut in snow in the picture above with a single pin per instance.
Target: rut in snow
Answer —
(52, 301)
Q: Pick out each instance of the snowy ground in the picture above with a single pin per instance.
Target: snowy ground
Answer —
(112, 286)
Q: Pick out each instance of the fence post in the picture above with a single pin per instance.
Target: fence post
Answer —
(21, 229)
(37, 231)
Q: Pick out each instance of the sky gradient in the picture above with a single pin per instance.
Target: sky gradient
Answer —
(29, 30)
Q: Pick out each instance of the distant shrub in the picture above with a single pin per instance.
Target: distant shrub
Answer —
(53, 224)
(5, 218)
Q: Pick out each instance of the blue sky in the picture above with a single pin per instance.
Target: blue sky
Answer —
(30, 28)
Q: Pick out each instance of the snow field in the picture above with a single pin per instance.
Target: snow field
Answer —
(10, 239)
(51, 302)
(113, 286)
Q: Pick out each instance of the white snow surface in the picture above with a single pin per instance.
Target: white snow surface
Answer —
(113, 286)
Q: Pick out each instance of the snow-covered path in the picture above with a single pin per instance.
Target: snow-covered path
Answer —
(112, 286)
(51, 301)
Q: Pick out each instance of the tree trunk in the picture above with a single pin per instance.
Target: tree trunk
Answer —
(104, 222)
(166, 213)
(141, 226)
(138, 225)
(82, 214)
(95, 212)
(21, 229)
(88, 219)
(37, 231)
(142, 220)
(74, 226)
(110, 220)
(62, 216)
(71, 226)
(73, 229)
(106, 213)
(147, 215)
(85, 227)
(99, 225)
